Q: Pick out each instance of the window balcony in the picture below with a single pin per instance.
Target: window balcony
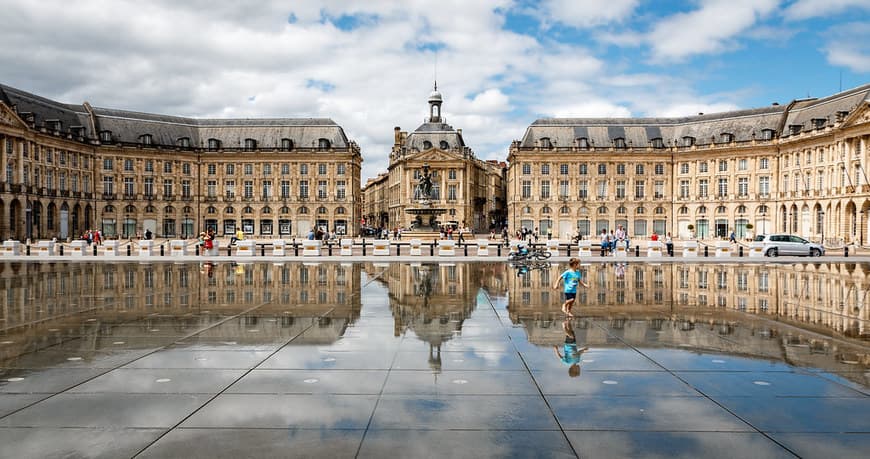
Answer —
(110, 196)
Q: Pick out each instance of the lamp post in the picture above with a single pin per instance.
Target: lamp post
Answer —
(763, 222)
(822, 218)
(861, 229)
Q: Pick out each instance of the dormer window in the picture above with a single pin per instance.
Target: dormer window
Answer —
(688, 141)
(819, 123)
(214, 144)
(619, 142)
(427, 144)
(657, 143)
(727, 137)
(250, 144)
(545, 142)
(794, 129)
(767, 134)
(444, 145)
(323, 144)
(105, 136)
(184, 142)
(146, 139)
(53, 125)
(286, 144)
(78, 131)
(583, 142)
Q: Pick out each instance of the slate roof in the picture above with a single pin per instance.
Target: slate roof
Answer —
(435, 133)
(804, 112)
(127, 126)
(639, 132)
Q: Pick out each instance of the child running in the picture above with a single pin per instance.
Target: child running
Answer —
(571, 278)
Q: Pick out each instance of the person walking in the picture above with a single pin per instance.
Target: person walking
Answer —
(669, 244)
(570, 279)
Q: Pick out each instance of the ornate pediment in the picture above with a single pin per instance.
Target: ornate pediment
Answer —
(859, 116)
(434, 155)
(9, 118)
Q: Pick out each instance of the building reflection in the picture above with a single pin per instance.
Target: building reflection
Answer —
(805, 314)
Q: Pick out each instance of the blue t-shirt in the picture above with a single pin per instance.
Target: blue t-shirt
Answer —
(570, 354)
(572, 279)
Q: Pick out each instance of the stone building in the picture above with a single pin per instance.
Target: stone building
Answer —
(69, 168)
(798, 168)
(469, 189)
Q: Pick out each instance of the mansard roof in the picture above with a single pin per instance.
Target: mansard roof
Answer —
(128, 126)
(639, 132)
(830, 109)
(434, 133)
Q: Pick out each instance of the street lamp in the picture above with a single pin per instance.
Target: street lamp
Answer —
(861, 229)
(763, 222)
(822, 218)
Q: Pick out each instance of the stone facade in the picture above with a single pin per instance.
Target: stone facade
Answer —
(798, 168)
(69, 168)
(470, 190)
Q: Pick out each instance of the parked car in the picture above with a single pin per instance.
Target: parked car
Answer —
(774, 245)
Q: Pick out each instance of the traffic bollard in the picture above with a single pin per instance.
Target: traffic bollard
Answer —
(95, 249)
(60, 248)
(706, 251)
(129, 249)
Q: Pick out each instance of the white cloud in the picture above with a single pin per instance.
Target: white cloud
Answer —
(805, 9)
(588, 13)
(712, 28)
(849, 46)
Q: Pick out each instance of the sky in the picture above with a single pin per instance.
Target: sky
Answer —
(370, 65)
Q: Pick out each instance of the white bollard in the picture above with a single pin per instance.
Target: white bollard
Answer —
(654, 249)
(146, 248)
(346, 247)
(310, 248)
(79, 248)
(11, 248)
(723, 249)
(279, 247)
(177, 247)
(45, 248)
(621, 249)
(482, 248)
(446, 248)
(416, 247)
(756, 249)
(246, 248)
(110, 248)
(381, 247)
(584, 248)
(690, 249)
(553, 247)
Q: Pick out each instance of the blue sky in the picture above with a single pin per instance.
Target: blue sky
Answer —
(501, 64)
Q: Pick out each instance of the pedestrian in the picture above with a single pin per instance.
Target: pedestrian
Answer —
(605, 242)
(148, 234)
(570, 279)
(669, 244)
(654, 237)
(732, 238)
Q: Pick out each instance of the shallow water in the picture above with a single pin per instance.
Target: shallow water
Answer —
(421, 359)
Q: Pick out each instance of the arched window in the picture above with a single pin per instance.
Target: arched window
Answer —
(211, 210)
(323, 144)
(267, 210)
(444, 145)
(621, 210)
(427, 144)
(565, 210)
(321, 210)
(108, 209)
(583, 142)
(247, 210)
(721, 210)
(545, 142)
(284, 210)
(527, 210)
(684, 210)
(545, 210)
(602, 210)
(150, 209)
(187, 210)
(702, 210)
(130, 209)
(640, 210)
(229, 210)
(619, 142)
(741, 209)
(168, 209)
(302, 210)
(340, 211)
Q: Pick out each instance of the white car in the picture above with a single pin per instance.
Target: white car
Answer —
(774, 245)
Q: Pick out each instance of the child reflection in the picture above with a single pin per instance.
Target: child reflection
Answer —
(570, 355)
(620, 270)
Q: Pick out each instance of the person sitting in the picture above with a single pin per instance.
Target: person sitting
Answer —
(239, 236)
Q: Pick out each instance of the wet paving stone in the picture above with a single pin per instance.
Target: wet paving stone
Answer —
(322, 359)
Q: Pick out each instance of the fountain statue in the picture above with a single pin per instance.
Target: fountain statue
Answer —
(425, 216)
